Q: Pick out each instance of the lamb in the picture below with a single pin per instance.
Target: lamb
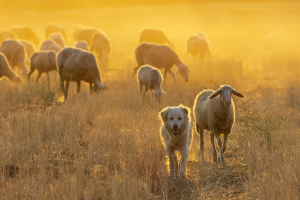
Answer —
(197, 44)
(160, 56)
(6, 71)
(25, 32)
(58, 39)
(15, 54)
(82, 45)
(29, 49)
(7, 35)
(43, 61)
(214, 111)
(100, 45)
(55, 28)
(76, 65)
(151, 78)
(154, 35)
(50, 45)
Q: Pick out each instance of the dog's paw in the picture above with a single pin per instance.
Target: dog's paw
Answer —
(183, 174)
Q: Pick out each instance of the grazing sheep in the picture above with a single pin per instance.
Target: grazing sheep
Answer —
(197, 44)
(100, 45)
(177, 134)
(76, 65)
(151, 78)
(29, 49)
(7, 35)
(43, 61)
(214, 111)
(82, 45)
(25, 32)
(154, 35)
(15, 54)
(55, 28)
(85, 34)
(6, 71)
(58, 39)
(49, 45)
(161, 57)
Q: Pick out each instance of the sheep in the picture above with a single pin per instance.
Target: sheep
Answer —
(7, 35)
(15, 54)
(6, 71)
(154, 35)
(43, 61)
(151, 78)
(160, 56)
(58, 39)
(197, 44)
(100, 45)
(214, 111)
(49, 45)
(82, 45)
(85, 34)
(29, 49)
(55, 28)
(76, 65)
(25, 32)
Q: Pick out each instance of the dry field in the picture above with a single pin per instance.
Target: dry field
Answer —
(107, 146)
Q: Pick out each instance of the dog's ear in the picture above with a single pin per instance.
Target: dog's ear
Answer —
(164, 114)
(185, 109)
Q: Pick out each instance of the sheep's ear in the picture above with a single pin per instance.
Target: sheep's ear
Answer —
(164, 114)
(215, 94)
(236, 93)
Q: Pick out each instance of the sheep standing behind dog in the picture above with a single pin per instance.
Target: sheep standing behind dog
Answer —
(49, 45)
(29, 49)
(151, 78)
(58, 39)
(43, 61)
(82, 45)
(100, 45)
(25, 32)
(177, 135)
(6, 71)
(84, 33)
(15, 54)
(161, 57)
(154, 35)
(75, 65)
(214, 111)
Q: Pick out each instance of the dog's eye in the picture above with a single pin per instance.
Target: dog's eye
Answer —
(171, 118)
(179, 118)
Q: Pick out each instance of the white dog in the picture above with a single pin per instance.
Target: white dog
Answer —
(176, 132)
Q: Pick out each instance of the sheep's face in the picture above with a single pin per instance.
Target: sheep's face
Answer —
(184, 71)
(159, 94)
(100, 87)
(225, 93)
(24, 71)
(175, 119)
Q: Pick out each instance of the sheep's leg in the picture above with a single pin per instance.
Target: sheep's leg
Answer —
(165, 74)
(213, 146)
(220, 146)
(146, 89)
(31, 71)
(38, 77)
(224, 143)
(173, 164)
(78, 86)
(200, 131)
(91, 87)
(62, 86)
(184, 155)
(152, 95)
(67, 88)
(48, 79)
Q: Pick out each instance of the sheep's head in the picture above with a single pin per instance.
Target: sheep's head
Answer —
(183, 69)
(24, 71)
(158, 94)
(225, 93)
(100, 87)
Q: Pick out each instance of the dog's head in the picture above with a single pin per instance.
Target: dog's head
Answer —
(175, 119)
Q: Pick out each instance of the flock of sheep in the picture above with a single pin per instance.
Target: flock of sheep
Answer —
(213, 110)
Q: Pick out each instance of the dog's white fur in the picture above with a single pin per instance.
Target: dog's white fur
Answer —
(176, 133)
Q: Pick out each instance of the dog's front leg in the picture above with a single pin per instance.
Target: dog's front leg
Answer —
(173, 164)
(184, 155)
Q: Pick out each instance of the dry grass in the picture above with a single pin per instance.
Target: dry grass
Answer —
(107, 146)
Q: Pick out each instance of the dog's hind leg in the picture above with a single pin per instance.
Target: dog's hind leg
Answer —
(173, 164)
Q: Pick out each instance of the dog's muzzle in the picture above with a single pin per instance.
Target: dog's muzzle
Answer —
(175, 130)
